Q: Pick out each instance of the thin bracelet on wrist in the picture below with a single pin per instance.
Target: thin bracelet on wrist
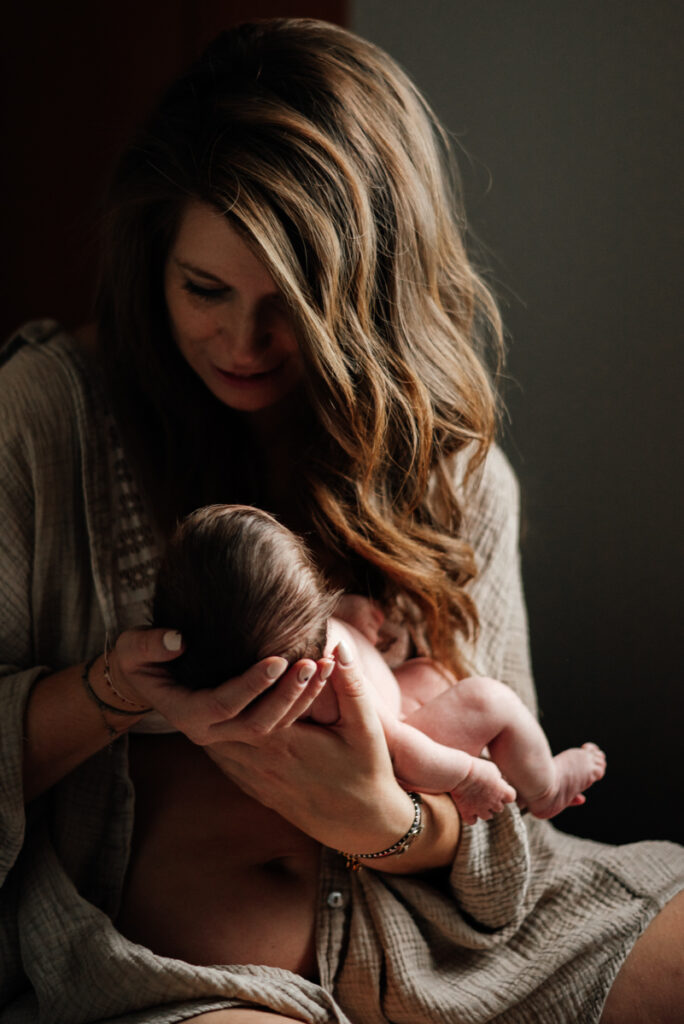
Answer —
(401, 845)
(102, 705)
(139, 708)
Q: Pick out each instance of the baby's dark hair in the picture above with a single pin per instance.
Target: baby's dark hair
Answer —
(239, 587)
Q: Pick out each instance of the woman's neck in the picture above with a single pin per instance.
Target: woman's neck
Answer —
(279, 426)
(279, 444)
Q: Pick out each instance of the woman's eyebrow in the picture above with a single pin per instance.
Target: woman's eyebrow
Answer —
(201, 273)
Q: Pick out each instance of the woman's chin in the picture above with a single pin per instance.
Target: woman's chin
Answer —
(252, 394)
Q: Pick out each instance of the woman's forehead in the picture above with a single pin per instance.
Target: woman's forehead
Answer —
(208, 244)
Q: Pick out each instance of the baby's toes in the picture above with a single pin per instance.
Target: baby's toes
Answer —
(598, 759)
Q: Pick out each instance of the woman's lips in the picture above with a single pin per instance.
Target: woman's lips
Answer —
(246, 380)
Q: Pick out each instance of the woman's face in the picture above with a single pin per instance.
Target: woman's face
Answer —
(227, 316)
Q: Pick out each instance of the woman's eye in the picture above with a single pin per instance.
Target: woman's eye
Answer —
(208, 294)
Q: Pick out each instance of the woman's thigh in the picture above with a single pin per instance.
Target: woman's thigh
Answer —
(650, 985)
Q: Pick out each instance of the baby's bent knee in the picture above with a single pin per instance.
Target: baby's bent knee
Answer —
(486, 695)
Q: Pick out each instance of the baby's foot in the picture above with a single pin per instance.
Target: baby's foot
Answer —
(576, 770)
(483, 793)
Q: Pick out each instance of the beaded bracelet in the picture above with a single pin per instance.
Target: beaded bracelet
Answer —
(401, 845)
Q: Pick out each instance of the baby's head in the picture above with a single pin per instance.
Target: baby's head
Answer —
(239, 587)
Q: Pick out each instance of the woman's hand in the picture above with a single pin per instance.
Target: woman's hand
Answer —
(64, 724)
(336, 783)
(246, 709)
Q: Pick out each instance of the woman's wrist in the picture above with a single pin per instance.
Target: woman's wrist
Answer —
(399, 847)
(434, 847)
(373, 822)
(118, 711)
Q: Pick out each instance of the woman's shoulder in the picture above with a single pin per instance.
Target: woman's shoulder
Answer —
(497, 479)
(39, 347)
(488, 495)
(43, 374)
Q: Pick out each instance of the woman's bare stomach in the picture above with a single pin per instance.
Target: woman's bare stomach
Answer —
(214, 878)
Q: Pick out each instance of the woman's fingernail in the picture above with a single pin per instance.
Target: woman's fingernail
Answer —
(172, 640)
(275, 668)
(325, 671)
(343, 654)
(305, 673)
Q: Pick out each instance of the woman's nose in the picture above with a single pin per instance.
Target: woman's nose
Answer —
(247, 334)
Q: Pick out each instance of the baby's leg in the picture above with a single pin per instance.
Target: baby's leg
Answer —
(420, 763)
(480, 712)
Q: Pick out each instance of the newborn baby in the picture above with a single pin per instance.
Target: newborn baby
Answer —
(240, 587)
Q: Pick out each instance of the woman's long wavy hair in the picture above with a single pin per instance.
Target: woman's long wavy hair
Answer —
(321, 152)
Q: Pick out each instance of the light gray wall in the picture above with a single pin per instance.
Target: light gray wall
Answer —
(571, 117)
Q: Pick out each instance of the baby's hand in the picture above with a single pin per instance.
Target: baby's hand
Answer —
(365, 615)
(483, 793)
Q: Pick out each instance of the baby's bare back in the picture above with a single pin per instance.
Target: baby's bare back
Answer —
(382, 680)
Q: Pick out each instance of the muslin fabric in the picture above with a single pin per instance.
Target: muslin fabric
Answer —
(528, 926)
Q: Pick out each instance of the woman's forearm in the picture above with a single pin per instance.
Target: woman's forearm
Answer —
(63, 726)
(68, 719)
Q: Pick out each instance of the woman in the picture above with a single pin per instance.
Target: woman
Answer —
(287, 318)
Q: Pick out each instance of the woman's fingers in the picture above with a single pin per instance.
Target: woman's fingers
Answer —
(282, 705)
(198, 713)
(249, 708)
(138, 648)
(138, 659)
(232, 697)
(357, 707)
(268, 712)
(301, 706)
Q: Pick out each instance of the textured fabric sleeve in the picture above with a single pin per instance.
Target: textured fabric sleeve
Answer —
(491, 872)
(492, 524)
(16, 678)
(16, 647)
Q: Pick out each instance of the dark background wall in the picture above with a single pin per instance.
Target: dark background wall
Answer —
(570, 113)
(76, 78)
